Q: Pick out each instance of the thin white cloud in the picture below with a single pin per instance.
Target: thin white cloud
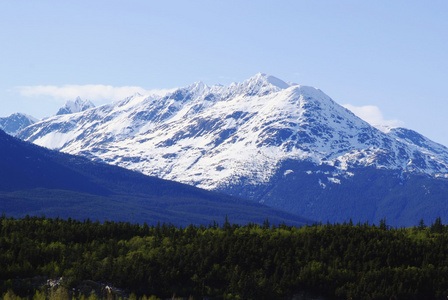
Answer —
(372, 115)
(92, 92)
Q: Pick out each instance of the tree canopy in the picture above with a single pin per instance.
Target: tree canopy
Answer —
(254, 261)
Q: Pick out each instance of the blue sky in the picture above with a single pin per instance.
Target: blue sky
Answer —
(387, 59)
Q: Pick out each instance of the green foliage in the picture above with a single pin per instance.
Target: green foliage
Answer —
(229, 262)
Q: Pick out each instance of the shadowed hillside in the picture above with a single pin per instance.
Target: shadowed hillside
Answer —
(38, 181)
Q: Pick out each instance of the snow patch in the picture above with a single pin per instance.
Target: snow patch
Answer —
(334, 180)
(55, 140)
(288, 172)
(323, 185)
(440, 175)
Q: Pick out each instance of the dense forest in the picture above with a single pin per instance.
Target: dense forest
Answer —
(42, 258)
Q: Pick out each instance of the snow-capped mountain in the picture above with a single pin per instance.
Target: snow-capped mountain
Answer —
(225, 137)
(76, 106)
(14, 123)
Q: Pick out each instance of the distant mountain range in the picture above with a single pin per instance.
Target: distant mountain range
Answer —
(38, 181)
(14, 123)
(285, 145)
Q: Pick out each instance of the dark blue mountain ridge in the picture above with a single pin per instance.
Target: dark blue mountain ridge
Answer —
(38, 181)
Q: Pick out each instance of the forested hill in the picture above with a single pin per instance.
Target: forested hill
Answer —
(340, 261)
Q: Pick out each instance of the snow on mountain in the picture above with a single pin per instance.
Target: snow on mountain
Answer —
(76, 106)
(14, 123)
(216, 136)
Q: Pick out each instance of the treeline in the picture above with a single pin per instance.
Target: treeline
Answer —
(339, 261)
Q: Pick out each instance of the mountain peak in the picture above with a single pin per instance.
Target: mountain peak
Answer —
(269, 79)
(16, 122)
(78, 105)
(262, 84)
(22, 115)
(198, 87)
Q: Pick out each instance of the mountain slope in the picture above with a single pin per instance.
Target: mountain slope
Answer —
(37, 181)
(236, 139)
(14, 123)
